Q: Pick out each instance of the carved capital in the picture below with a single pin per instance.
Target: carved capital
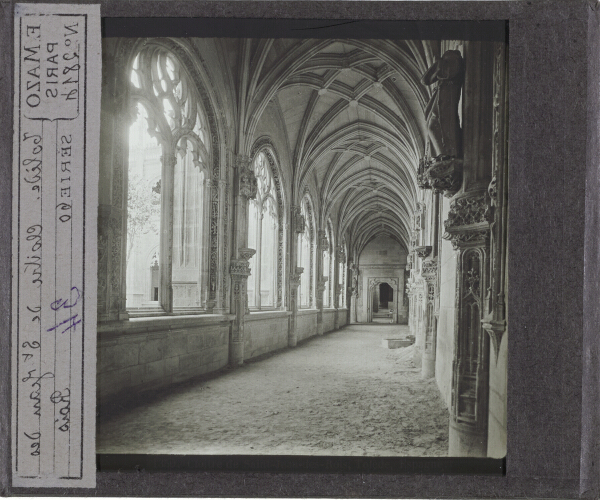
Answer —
(239, 269)
(296, 276)
(169, 160)
(468, 221)
(423, 251)
(246, 253)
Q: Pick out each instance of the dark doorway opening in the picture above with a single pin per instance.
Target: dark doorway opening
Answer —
(386, 295)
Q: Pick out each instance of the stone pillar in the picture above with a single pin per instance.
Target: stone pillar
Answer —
(294, 284)
(117, 117)
(245, 189)
(352, 294)
(430, 274)
(322, 246)
(468, 228)
(239, 271)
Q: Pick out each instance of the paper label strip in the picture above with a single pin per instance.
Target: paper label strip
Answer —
(55, 178)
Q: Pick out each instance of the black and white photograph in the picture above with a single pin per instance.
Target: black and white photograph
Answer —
(302, 247)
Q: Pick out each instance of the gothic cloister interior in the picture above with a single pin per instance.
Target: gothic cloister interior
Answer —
(259, 195)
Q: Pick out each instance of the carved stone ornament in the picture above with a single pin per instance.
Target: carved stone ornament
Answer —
(248, 185)
(341, 254)
(469, 221)
(444, 175)
(323, 242)
(299, 222)
(339, 288)
(296, 276)
(246, 253)
(423, 251)
(239, 269)
(322, 283)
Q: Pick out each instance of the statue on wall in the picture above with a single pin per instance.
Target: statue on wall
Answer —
(442, 111)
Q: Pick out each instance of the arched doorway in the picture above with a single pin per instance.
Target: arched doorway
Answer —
(383, 300)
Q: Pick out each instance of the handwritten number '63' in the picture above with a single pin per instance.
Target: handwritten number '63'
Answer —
(68, 303)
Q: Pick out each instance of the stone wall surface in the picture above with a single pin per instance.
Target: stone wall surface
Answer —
(328, 320)
(138, 360)
(497, 402)
(264, 333)
(445, 327)
(306, 324)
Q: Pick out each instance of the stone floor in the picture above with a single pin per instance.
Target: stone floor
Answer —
(339, 394)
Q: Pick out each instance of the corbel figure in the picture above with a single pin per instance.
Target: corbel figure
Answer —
(299, 222)
(247, 183)
(441, 169)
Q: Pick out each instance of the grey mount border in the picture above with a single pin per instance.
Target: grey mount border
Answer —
(554, 259)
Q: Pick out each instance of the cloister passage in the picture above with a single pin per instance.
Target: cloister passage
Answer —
(340, 394)
(261, 194)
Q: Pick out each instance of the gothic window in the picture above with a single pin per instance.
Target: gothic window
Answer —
(169, 151)
(328, 266)
(342, 276)
(263, 235)
(306, 246)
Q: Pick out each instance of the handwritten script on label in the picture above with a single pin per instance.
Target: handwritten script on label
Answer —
(55, 165)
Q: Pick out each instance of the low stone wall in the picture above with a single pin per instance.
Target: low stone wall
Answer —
(328, 320)
(342, 317)
(265, 332)
(150, 353)
(306, 323)
(138, 355)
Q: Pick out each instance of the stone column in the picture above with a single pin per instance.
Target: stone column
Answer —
(430, 274)
(298, 227)
(352, 294)
(239, 271)
(322, 246)
(245, 189)
(294, 284)
(117, 117)
(468, 228)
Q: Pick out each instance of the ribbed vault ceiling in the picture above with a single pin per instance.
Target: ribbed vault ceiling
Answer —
(354, 116)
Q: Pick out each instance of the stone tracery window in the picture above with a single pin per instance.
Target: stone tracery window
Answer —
(169, 151)
(342, 275)
(306, 246)
(263, 235)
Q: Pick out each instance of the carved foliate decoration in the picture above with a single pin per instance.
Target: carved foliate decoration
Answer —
(246, 253)
(468, 211)
(493, 189)
(430, 292)
(321, 284)
(468, 221)
(247, 183)
(445, 176)
(239, 268)
(423, 251)
(429, 269)
(409, 261)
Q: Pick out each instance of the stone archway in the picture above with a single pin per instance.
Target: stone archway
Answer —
(374, 283)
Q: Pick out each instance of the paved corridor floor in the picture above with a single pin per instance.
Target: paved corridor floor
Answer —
(339, 394)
